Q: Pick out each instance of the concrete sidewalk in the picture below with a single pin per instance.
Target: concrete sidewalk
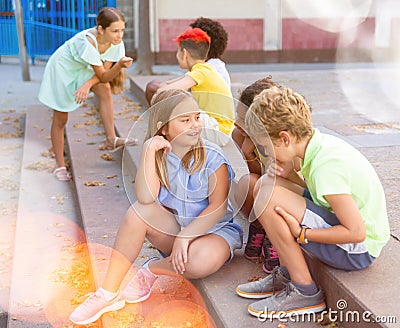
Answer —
(356, 102)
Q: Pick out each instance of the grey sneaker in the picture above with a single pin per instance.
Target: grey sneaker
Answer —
(288, 302)
(265, 287)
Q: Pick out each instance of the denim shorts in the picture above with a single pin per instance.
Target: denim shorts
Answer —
(233, 235)
(342, 256)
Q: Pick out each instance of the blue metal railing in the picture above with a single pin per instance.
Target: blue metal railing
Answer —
(48, 23)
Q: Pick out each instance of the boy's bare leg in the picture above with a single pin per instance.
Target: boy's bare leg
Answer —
(290, 253)
(244, 193)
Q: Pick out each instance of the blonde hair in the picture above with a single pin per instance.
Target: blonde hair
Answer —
(279, 109)
(163, 104)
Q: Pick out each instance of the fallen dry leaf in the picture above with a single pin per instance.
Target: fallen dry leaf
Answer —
(47, 153)
(78, 126)
(40, 166)
(254, 278)
(38, 127)
(379, 126)
(91, 122)
(94, 183)
(107, 157)
(96, 134)
(131, 117)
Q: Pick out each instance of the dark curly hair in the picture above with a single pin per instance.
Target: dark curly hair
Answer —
(248, 94)
(217, 33)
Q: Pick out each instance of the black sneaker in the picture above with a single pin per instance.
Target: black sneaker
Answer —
(255, 239)
(271, 258)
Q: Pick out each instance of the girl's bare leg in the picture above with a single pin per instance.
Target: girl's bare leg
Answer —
(139, 221)
(106, 108)
(57, 136)
(206, 255)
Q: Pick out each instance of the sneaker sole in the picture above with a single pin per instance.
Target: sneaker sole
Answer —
(114, 307)
(143, 298)
(281, 314)
(255, 295)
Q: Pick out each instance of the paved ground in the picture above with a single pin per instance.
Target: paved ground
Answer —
(359, 105)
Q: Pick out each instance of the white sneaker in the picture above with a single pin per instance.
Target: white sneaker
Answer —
(94, 306)
(139, 288)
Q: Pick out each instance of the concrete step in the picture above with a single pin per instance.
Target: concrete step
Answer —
(218, 290)
(47, 226)
(11, 150)
(103, 208)
(351, 294)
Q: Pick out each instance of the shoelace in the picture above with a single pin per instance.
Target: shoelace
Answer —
(274, 273)
(289, 288)
(140, 281)
(272, 253)
(257, 240)
(92, 297)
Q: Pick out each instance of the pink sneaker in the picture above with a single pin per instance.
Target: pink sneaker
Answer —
(139, 288)
(271, 257)
(94, 306)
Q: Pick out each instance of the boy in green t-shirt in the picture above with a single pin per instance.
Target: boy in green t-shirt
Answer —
(340, 217)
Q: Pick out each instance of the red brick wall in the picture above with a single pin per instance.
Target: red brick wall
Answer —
(247, 34)
(244, 34)
(298, 34)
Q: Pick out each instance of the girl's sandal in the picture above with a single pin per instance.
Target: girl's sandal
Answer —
(126, 142)
(62, 174)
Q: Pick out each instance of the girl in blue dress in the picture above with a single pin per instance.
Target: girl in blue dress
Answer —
(182, 208)
(92, 60)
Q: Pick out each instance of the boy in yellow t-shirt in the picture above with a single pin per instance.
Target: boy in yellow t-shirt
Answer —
(209, 88)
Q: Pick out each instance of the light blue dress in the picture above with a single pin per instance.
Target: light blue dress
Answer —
(188, 194)
(70, 66)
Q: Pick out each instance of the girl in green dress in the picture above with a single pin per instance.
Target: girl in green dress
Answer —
(92, 60)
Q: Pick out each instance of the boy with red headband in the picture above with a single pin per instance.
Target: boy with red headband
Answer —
(209, 88)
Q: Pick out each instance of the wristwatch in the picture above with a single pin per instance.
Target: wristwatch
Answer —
(302, 238)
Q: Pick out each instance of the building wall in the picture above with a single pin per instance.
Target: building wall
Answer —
(279, 30)
(173, 19)
(128, 9)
